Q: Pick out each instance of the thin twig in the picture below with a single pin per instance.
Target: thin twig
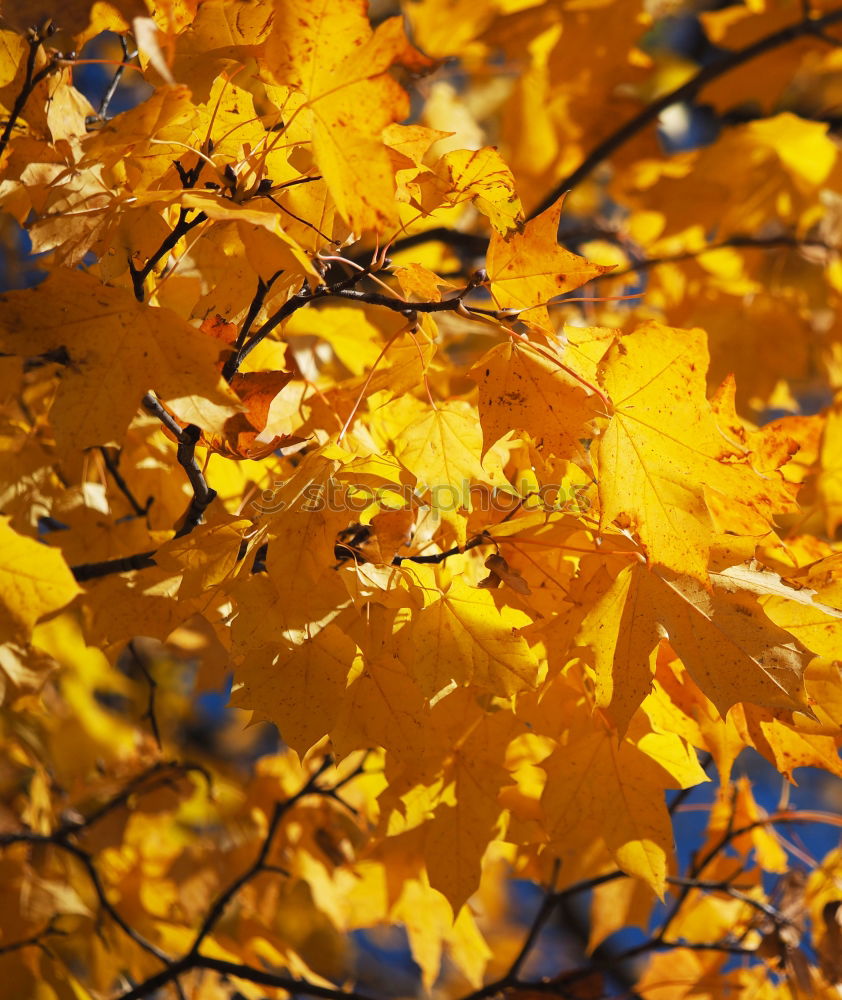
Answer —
(298, 301)
(545, 910)
(739, 242)
(83, 572)
(182, 228)
(31, 80)
(35, 940)
(550, 903)
(293, 986)
(256, 305)
(221, 902)
(187, 438)
(162, 770)
(731, 890)
(112, 463)
(108, 96)
(439, 557)
(686, 92)
(152, 685)
(63, 844)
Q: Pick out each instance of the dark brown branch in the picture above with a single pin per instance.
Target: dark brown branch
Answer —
(203, 495)
(555, 987)
(729, 835)
(163, 771)
(343, 290)
(738, 242)
(221, 902)
(63, 838)
(550, 903)
(686, 92)
(108, 96)
(112, 463)
(293, 986)
(454, 304)
(31, 79)
(36, 940)
(83, 572)
(187, 438)
(64, 844)
(181, 229)
(263, 288)
(298, 301)
(195, 960)
(545, 910)
(735, 893)
(152, 686)
(439, 557)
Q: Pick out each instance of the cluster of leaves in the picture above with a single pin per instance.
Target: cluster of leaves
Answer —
(303, 397)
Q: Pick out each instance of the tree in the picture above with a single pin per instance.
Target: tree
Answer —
(303, 399)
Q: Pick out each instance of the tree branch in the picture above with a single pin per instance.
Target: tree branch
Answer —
(439, 557)
(108, 96)
(60, 840)
(162, 770)
(687, 91)
(298, 301)
(187, 438)
(293, 986)
(551, 901)
(256, 305)
(112, 463)
(181, 229)
(220, 904)
(83, 572)
(193, 959)
(152, 686)
(35, 939)
(738, 241)
(35, 40)
(63, 837)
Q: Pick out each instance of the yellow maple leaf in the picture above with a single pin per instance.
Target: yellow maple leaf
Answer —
(734, 652)
(524, 388)
(482, 176)
(90, 325)
(663, 450)
(34, 581)
(442, 450)
(382, 706)
(206, 557)
(331, 54)
(463, 637)
(528, 269)
(300, 689)
(789, 744)
(597, 788)
(304, 516)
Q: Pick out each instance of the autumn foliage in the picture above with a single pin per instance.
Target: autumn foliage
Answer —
(300, 400)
